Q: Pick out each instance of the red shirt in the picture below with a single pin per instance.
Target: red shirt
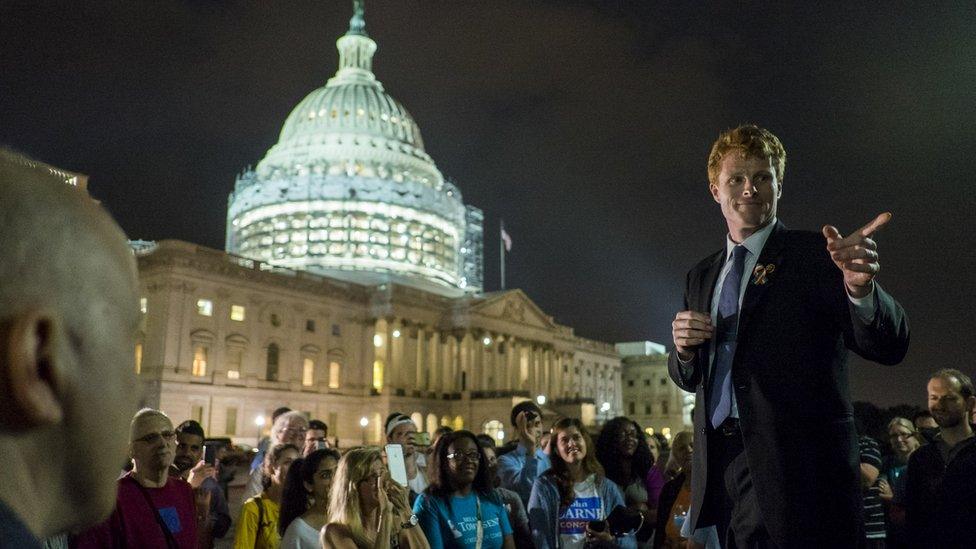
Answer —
(134, 523)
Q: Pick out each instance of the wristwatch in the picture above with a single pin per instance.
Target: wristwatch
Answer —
(411, 522)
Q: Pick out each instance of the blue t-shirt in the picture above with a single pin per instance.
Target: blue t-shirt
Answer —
(457, 526)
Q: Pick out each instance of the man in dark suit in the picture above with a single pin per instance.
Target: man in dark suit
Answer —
(763, 343)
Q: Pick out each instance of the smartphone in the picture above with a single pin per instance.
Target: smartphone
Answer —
(210, 454)
(394, 460)
(421, 439)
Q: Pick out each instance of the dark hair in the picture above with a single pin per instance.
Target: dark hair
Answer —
(920, 414)
(317, 425)
(190, 427)
(272, 456)
(560, 470)
(611, 459)
(525, 406)
(439, 469)
(294, 497)
(485, 441)
(965, 384)
(278, 412)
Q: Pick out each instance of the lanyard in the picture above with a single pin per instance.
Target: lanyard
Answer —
(480, 530)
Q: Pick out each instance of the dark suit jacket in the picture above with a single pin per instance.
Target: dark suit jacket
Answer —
(789, 375)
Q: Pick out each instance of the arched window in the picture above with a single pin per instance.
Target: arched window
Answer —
(431, 423)
(272, 363)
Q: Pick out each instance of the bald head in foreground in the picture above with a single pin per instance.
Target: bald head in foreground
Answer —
(68, 317)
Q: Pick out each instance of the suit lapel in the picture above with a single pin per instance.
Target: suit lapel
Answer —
(705, 292)
(771, 256)
(708, 283)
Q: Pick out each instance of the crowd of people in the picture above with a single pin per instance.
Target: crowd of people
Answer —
(625, 489)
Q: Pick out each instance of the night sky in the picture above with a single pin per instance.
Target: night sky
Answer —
(585, 125)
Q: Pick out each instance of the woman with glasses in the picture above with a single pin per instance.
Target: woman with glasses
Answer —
(305, 500)
(460, 508)
(257, 527)
(367, 510)
(623, 452)
(903, 439)
(571, 501)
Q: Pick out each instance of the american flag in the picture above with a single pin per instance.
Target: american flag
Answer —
(507, 240)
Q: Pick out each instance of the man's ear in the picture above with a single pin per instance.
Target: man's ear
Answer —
(713, 188)
(30, 371)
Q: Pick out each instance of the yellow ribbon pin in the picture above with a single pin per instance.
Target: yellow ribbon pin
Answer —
(761, 273)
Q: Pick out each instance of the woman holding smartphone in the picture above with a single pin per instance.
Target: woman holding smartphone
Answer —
(305, 501)
(571, 501)
(367, 510)
(460, 508)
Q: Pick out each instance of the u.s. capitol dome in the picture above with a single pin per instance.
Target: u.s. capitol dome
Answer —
(349, 191)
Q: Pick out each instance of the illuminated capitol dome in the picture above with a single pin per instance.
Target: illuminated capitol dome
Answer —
(349, 192)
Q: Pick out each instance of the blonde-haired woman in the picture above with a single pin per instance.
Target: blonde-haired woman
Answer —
(367, 509)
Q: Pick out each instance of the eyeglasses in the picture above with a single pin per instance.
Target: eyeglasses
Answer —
(153, 438)
(624, 435)
(471, 457)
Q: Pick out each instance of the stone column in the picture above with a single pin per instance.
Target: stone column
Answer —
(421, 364)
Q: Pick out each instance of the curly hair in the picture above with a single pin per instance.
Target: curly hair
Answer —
(295, 496)
(751, 141)
(439, 478)
(612, 460)
(560, 469)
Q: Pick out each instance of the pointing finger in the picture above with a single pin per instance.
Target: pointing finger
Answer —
(875, 224)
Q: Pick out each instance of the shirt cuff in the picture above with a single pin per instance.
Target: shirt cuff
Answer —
(863, 306)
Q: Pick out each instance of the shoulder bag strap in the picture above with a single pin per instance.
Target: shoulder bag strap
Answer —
(170, 540)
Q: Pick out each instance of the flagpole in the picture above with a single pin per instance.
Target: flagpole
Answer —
(501, 248)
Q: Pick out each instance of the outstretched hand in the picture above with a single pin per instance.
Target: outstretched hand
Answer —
(856, 255)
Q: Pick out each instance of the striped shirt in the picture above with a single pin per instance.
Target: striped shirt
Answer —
(874, 518)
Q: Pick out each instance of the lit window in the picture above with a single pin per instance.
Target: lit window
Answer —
(495, 429)
(308, 372)
(200, 352)
(334, 375)
(205, 307)
(378, 340)
(237, 313)
(143, 305)
(378, 375)
(138, 357)
(233, 374)
(666, 431)
(396, 333)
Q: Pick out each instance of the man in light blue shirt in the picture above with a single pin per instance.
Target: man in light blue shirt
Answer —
(519, 468)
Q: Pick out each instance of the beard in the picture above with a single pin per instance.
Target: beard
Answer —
(183, 463)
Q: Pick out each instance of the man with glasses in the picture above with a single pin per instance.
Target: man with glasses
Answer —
(153, 509)
(288, 428)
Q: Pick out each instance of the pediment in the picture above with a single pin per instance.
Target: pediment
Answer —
(513, 306)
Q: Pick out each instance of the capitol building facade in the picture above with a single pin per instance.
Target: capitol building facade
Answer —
(351, 287)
